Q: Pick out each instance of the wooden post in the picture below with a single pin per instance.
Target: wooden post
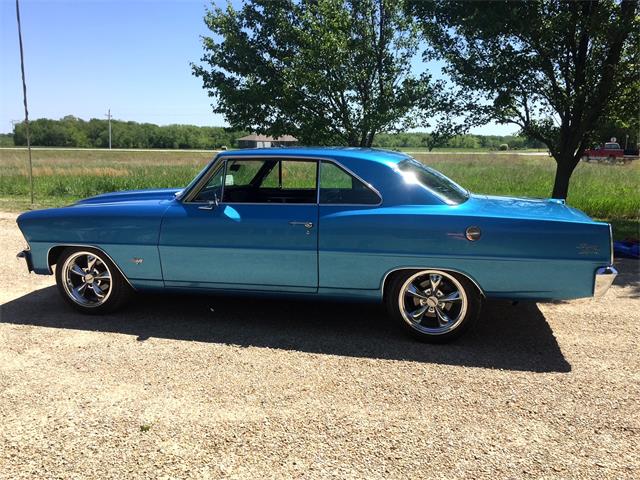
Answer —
(24, 96)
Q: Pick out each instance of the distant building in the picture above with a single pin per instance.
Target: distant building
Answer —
(263, 141)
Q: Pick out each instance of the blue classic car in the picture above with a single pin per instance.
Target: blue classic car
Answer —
(323, 222)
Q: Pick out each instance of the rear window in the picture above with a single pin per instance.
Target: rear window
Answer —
(437, 183)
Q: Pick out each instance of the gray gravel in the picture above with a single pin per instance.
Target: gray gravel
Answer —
(208, 387)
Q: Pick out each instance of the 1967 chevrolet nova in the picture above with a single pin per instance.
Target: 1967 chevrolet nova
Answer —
(323, 222)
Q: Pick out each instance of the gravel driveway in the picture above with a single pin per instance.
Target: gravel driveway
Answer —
(209, 387)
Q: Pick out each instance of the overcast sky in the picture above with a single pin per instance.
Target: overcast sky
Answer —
(84, 57)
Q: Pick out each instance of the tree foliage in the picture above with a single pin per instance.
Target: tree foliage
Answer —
(622, 117)
(325, 71)
(552, 67)
(74, 132)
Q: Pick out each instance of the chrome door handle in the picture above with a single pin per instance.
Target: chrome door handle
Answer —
(306, 224)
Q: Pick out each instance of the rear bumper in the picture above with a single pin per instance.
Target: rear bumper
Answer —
(26, 254)
(603, 279)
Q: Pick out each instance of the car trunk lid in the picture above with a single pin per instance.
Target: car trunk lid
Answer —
(529, 208)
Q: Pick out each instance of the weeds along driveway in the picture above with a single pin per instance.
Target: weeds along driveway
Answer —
(203, 386)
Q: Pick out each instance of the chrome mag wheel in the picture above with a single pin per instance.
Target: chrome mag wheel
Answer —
(86, 279)
(433, 302)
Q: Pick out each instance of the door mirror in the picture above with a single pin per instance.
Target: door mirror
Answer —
(228, 180)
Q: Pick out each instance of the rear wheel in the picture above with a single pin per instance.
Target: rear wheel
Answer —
(433, 305)
(90, 282)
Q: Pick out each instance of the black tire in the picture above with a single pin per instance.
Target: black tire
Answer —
(430, 327)
(116, 290)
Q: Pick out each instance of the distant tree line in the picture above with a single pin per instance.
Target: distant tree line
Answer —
(467, 141)
(75, 132)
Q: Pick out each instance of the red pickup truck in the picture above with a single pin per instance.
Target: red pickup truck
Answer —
(611, 152)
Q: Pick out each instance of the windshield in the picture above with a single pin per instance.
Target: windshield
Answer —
(195, 180)
(440, 185)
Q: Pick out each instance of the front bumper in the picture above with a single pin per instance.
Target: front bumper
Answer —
(26, 254)
(603, 280)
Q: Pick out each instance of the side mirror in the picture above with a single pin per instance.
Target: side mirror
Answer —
(228, 180)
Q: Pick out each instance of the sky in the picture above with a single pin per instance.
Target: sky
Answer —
(85, 57)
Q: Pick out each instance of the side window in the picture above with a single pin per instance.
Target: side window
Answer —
(270, 180)
(299, 175)
(340, 187)
(241, 173)
(292, 175)
(212, 189)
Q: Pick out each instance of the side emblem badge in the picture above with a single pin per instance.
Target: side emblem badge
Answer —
(473, 233)
(137, 260)
(588, 249)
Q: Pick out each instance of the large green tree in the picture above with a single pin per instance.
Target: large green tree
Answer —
(551, 67)
(326, 71)
(622, 117)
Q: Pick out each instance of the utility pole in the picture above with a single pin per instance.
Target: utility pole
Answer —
(109, 117)
(24, 96)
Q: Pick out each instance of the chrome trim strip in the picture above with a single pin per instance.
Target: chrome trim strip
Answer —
(472, 280)
(85, 245)
(603, 279)
(610, 245)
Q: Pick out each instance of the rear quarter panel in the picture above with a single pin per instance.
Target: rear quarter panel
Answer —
(514, 258)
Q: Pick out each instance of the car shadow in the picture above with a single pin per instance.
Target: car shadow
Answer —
(628, 275)
(507, 336)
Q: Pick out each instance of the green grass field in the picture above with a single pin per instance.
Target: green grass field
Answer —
(471, 150)
(605, 192)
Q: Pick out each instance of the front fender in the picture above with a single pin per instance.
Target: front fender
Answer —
(126, 233)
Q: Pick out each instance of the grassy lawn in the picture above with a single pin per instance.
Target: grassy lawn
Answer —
(470, 150)
(605, 192)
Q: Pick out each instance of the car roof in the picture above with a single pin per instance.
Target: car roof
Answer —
(374, 166)
(385, 157)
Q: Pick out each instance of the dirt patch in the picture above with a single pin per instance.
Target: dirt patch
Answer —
(208, 387)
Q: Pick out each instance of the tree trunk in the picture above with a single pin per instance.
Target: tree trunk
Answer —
(565, 167)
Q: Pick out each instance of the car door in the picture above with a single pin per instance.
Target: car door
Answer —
(251, 225)
(352, 232)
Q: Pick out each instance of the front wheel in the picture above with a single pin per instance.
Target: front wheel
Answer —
(432, 305)
(89, 281)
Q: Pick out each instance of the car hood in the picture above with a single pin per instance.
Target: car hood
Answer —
(529, 208)
(131, 196)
